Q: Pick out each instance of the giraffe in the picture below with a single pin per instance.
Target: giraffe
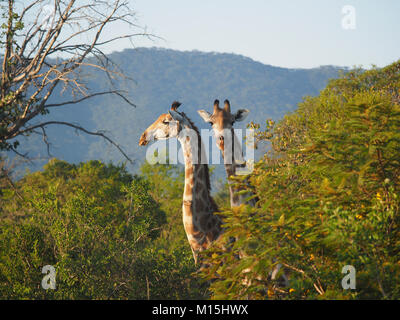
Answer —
(222, 121)
(201, 224)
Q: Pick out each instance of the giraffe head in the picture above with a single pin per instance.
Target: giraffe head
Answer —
(168, 125)
(222, 120)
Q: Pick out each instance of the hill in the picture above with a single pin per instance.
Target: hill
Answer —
(161, 76)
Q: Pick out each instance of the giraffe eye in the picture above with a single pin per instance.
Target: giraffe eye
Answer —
(165, 122)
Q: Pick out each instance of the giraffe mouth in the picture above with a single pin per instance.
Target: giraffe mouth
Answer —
(143, 141)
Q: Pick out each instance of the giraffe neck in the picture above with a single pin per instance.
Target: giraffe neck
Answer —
(230, 168)
(201, 225)
(234, 197)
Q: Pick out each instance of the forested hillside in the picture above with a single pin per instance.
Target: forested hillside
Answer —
(161, 76)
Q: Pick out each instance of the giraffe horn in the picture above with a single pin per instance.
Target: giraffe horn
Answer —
(227, 106)
(175, 105)
(216, 105)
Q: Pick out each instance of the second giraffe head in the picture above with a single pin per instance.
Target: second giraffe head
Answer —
(222, 120)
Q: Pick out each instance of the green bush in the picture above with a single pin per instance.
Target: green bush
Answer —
(329, 197)
(102, 231)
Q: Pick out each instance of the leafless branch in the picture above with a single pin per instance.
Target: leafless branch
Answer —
(116, 92)
(42, 53)
(77, 127)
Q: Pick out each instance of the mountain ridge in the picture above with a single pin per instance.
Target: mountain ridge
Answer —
(161, 76)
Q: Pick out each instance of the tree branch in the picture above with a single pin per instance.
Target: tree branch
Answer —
(117, 92)
(32, 67)
(100, 134)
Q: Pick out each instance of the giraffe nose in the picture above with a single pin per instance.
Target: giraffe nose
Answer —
(143, 140)
(221, 138)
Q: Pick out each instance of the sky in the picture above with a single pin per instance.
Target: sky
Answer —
(285, 33)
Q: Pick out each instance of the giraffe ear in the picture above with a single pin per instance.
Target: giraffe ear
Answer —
(241, 114)
(176, 116)
(205, 115)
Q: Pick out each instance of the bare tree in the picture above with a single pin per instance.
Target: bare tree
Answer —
(48, 44)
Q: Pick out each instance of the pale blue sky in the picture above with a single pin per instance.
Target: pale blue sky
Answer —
(287, 33)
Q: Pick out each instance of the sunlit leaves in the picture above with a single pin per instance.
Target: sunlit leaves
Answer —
(329, 197)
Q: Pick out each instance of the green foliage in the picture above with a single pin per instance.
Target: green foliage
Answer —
(167, 183)
(100, 228)
(329, 197)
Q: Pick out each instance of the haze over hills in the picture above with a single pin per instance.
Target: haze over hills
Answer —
(160, 77)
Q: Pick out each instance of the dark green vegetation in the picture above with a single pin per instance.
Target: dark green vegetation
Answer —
(329, 197)
(108, 234)
(160, 77)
